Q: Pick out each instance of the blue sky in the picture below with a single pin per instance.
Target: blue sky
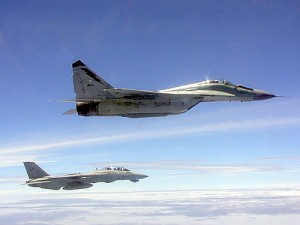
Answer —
(215, 149)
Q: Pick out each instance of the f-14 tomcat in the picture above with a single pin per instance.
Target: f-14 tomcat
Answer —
(39, 178)
(96, 97)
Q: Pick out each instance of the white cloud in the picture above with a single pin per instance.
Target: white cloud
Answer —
(6, 180)
(280, 158)
(165, 207)
(170, 132)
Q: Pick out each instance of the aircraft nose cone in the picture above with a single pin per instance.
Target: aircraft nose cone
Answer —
(263, 95)
(141, 176)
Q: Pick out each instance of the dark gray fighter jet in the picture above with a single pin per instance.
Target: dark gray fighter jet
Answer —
(39, 178)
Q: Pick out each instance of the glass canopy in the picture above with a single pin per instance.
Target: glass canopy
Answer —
(117, 168)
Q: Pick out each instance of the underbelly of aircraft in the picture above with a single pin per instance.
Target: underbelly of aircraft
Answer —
(134, 109)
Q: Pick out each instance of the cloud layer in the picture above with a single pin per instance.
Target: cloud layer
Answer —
(12, 152)
(166, 207)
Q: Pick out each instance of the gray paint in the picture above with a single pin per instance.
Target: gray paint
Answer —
(39, 178)
(95, 97)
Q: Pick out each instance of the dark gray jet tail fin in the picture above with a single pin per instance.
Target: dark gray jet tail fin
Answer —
(34, 171)
(87, 84)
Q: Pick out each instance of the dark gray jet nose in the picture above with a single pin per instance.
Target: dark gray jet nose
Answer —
(140, 176)
(262, 95)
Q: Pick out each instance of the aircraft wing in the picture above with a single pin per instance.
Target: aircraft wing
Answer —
(129, 93)
(68, 182)
(75, 181)
(45, 184)
(126, 95)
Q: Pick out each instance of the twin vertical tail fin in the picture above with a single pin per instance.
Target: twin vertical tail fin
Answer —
(34, 171)
(87, 84)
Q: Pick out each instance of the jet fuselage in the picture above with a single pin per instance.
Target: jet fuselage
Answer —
(95, 97)
(39, 178)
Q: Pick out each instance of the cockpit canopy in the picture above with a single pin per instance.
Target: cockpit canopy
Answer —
(218, 82)
(117, 168)
(226, 83)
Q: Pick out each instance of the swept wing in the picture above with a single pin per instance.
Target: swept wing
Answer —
(68, 182)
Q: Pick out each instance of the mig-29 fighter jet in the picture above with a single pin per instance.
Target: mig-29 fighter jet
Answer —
(96, 97)
(39, 178)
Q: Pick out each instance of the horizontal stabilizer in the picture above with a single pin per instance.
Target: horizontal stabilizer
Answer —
(63, 100)
(70, 112)
(78, 100)
(40, 182)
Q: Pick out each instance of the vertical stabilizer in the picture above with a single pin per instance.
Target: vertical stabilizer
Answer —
(87, 84)
(34, 171)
